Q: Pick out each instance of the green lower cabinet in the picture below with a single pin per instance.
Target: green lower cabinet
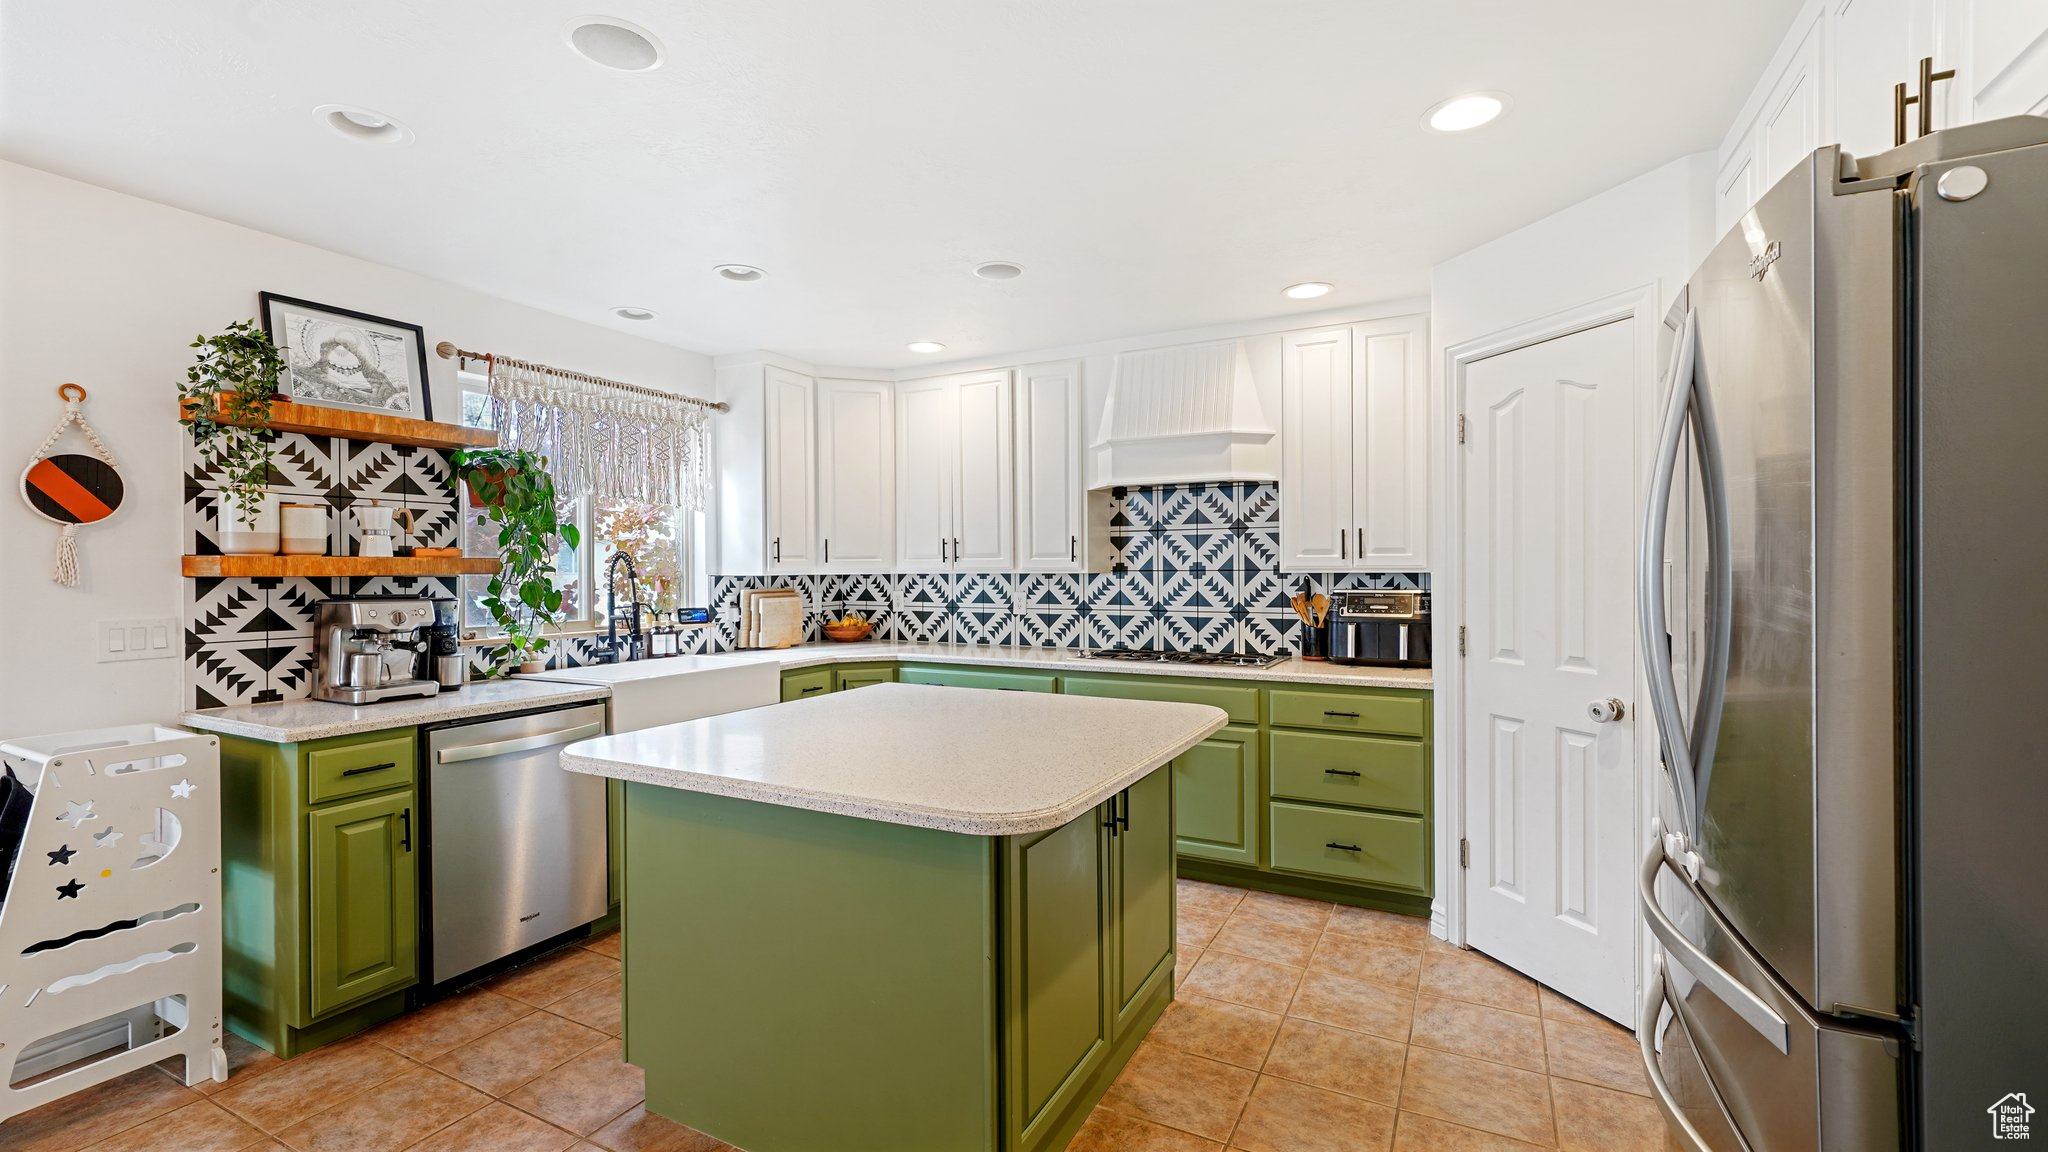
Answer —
(1216, 797)
(954, 677)
(806, 682)
(1142, 897)
(1341, 844)
(1059, 994)
(363, 884)
(849, 677)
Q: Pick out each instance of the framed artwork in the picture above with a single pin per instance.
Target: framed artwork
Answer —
(342, 359)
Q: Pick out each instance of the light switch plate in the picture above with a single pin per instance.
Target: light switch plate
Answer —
(153, 639)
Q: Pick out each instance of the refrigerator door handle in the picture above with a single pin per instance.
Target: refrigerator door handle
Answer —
(1650, 603)
(1727, 988)
(1720, 602)
(1681, 1126)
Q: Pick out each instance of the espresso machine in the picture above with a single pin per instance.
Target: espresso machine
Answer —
(369, 648)
(1380, 627)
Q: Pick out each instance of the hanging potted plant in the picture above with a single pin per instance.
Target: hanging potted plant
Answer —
(519, 498)
(224, 404)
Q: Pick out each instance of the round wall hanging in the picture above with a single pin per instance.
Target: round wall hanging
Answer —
(71, 488)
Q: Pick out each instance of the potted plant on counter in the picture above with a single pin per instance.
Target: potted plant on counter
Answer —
(518, 496)
(224, 404)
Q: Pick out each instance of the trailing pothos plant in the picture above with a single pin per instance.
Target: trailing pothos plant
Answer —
(519, 497)
(225, 406)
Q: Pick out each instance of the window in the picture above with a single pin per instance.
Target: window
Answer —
(657, 536)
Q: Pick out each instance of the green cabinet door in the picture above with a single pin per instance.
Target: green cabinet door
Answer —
(1057, 992)
(1141, 906)
(363, 896)
(1216, 797)
(847, 679)
(952, 677)
(806, 682)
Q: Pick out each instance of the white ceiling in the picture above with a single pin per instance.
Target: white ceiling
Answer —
(1154, 164)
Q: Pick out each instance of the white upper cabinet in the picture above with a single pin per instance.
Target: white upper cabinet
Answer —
(1999, 49)
(1315, 448)
(856, 476)
(955, 488)
(1354, 453)
(792, 524)
(1051, 503)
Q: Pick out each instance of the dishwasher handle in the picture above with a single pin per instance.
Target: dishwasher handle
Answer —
(522, 744)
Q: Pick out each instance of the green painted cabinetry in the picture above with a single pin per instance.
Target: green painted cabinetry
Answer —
(1141, 852)
(1216, 797)
(320, 884)
(1059, 992)
(956, 677)
(802, 682)
(847, 677)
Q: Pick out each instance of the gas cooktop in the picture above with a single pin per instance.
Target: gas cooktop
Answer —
(1218, 659)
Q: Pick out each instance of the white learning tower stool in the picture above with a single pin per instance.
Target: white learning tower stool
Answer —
(110, 949)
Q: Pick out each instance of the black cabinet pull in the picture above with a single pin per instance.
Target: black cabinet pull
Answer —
(1124, 816)
(1111, 822)
(1073, 547)
(371, 768)
(1343, 847)
(1339, 772)
(778, 549)
(405, 837)
(814, 688)
(1352, 715)
(828, 551)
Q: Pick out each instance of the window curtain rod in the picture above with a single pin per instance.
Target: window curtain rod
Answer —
(448, 351)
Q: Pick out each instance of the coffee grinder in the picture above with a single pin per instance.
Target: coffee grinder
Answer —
(442, 660)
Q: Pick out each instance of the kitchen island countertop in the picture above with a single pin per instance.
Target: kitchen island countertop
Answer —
(966, 760)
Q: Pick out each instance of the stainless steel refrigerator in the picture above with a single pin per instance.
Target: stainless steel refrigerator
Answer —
(1844, 614)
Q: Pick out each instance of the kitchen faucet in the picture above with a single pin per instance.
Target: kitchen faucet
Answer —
(634, 644)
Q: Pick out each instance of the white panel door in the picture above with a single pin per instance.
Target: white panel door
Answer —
(1390, 447)
(1315, 449)
(856, 476)
(1872, 47)
(1549, 530)
(924, 475)
(1999, 49)
(1790, 128)
(792, 471)
(1050, 498)
(984, 491)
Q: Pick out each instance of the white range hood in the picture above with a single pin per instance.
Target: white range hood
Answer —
(1180, 415)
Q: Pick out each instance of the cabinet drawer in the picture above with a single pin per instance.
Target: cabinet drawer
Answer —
(846, 680)
(1362, 771)
(1242, 702)
(1370, 848)
(353, 766)
(806, 682)
(980, 678)
(1393, 712)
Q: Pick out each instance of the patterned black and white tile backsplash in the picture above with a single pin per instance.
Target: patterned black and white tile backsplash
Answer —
(1196, 567)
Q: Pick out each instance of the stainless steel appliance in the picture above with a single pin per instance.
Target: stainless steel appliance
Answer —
(441, 658)
(1210, 659)
(515, 844)
(367, 648)
(1380, 627)
(1841, 624)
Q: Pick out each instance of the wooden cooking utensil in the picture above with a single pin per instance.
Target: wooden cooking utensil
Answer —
(1320, 605)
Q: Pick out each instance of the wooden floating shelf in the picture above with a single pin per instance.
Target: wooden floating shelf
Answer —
(339, 566)
(314, 420)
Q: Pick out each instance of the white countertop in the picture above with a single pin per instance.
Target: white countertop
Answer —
(290, 721)
(1293, 670)
(965, 760)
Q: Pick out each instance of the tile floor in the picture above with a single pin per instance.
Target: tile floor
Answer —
(1299, 1026)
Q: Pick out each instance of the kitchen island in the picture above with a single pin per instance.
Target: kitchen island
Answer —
(910, 918)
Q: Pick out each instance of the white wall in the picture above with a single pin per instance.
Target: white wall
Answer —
(108, 290)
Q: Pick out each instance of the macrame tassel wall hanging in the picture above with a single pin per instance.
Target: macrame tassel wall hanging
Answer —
(71, 488)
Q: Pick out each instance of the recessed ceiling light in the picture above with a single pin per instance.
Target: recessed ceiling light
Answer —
(1308, 291)
(615, 43)
(1462, 112)
(925, 346)
(628, 312)
(999, 270)
(362, 124)
(743, 273)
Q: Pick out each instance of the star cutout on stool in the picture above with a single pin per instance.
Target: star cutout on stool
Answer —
(183, 789)
(78, 812)
(62, 855)
(69, 891)
(106, 837)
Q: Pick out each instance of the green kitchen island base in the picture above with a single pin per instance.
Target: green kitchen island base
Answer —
(799, 980)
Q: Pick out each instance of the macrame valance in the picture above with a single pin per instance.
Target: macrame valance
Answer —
(601, 439)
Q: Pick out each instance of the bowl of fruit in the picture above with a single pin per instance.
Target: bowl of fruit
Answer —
(849, 628)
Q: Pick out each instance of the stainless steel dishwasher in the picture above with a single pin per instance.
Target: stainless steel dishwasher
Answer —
(515, 843)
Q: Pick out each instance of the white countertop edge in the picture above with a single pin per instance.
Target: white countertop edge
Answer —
(1294, 670)
(292, 726)
(915, 816)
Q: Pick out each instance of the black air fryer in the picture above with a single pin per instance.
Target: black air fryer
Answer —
(1390, 628)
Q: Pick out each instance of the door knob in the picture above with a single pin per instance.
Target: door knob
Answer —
(1606, 711)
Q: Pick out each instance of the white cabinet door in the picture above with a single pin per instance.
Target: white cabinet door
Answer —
(792, 482)
(1389, 447)
(1050, 499)
(984, 480)
(1999, 49)
(1873, 45)
(856, 476)
(924, 474)
(1790, 127)
(1315, 449)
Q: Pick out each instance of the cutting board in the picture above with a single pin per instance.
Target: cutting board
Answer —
(764, 616)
